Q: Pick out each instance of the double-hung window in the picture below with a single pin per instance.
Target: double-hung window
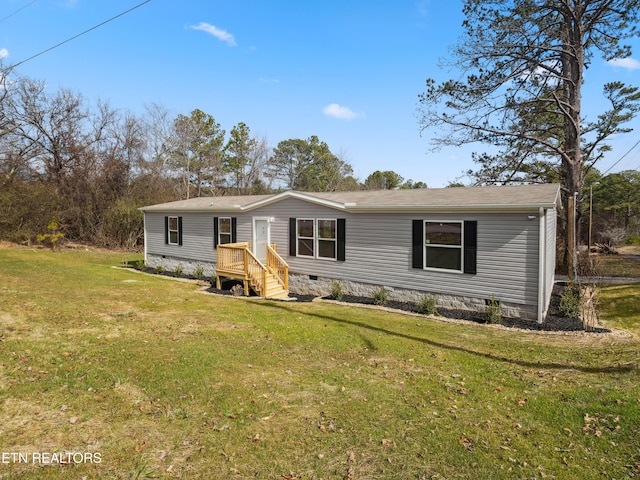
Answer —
(316, 238)
(173, 230)
(306, 235)
(443, 245)
(448, 245)
(326, 238)
(224, 230)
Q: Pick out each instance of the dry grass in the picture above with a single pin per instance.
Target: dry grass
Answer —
(167, 383)
(626, 264)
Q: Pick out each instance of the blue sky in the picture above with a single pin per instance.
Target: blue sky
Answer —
(348, 71)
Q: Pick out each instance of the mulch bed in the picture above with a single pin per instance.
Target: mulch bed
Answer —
(553, 323)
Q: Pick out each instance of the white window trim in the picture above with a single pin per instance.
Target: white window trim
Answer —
(298, 238)
(176, 230)
(220, 232)
(458, 247)
(334, 239)
(316, 239)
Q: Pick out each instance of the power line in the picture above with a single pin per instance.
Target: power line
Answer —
(620, 159)
(17, 11)
(80, 34)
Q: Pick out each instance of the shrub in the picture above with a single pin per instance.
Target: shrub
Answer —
(137, 264)
(633, 240)
(160, 270)
(588, 265)
(493, 310)
(178, 271)
(570, 302)
(380, 296)
(337, 289)
(198, 273)
(52, 237)
(427, 306)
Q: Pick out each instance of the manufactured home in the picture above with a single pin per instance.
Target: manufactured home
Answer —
(460, 245)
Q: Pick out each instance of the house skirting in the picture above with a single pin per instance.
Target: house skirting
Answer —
(320, 286)
(311, 285)
(188, 266)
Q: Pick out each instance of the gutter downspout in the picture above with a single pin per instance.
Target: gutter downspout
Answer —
(144, 226)
(542, 263)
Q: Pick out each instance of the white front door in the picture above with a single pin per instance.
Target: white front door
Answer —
(261, 238)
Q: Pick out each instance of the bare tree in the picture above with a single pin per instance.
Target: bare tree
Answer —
(523, 64)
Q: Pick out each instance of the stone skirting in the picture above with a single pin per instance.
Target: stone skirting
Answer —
(306, 285)
(320, 286)
(188, 266)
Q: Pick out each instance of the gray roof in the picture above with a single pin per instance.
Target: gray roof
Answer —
(492, 198)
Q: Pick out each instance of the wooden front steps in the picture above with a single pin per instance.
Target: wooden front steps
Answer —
(273, 288)
(235, 260)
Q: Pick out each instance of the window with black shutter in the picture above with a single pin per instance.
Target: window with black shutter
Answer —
(444, 245)
(173, 230)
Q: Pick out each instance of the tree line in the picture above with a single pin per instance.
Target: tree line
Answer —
(72, 167)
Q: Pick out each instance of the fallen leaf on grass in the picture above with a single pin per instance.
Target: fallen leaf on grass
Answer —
(467, 443)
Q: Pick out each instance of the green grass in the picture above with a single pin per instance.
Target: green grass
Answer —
(619, 265)
(166, 382)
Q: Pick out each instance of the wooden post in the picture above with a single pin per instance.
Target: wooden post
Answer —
(571, 240)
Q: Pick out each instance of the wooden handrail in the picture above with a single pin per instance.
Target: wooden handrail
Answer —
(277, 266)
(231, 256)
(236, 259)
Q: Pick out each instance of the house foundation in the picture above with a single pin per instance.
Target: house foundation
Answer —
(312, 285)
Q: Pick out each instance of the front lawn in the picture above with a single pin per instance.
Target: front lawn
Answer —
(157, 380)
(625, 264)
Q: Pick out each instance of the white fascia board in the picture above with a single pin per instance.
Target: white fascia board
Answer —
(297, 195)
(524, 208)
(234, 208)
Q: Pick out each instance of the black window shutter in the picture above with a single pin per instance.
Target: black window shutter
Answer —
(179, 230)
(166, 230)
(292, 237)
(470, 246)
(417, 242)
(215, 232)
(341, 240)
(234, 226)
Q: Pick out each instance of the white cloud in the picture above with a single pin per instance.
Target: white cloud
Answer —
(220, 34)
(423, 7)
(338, 111)
(628, 63)
(4, 53)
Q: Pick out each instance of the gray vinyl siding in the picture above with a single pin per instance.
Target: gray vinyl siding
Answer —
(197, 236)
(378, 249)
